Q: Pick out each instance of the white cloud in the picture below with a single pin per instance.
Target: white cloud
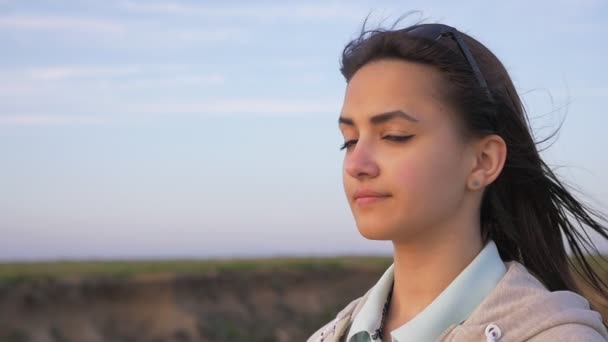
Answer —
(271, 107)
(125, 112)
(60, 23)
(71, 72)
(68, 89)
(211, 35)
(174, 81)
(187, 73)
(127, 32)
(282, 11)
(39, 120)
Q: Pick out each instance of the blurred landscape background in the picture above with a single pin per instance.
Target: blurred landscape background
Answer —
(268, 299)
(236, 300)
(170, 171)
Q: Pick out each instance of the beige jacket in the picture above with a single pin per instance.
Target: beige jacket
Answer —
(520, 308)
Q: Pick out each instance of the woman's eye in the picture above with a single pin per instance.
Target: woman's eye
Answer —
(348, 144)
(397, 137)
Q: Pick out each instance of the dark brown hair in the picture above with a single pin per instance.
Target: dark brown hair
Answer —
(527, 210)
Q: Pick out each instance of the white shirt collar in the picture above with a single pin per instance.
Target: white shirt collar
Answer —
(452, 306)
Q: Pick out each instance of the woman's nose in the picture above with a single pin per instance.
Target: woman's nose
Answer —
(360, 162)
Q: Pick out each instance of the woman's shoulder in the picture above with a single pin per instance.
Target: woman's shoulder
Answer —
(337, 327)
(570, 332)
(522, 307)
(519, 287)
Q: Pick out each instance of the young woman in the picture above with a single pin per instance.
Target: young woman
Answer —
(439, 159)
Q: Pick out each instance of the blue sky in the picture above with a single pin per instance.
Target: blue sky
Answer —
(132, 129)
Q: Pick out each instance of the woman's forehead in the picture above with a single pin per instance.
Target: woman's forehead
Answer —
(386, 86)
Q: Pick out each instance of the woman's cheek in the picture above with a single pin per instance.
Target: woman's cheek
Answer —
(408, 177)
(444, 175)
(411, 183)
(421, 180)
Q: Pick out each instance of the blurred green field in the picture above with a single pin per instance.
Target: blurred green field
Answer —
(25, 271)
(214, 300)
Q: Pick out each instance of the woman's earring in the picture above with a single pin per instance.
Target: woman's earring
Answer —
(475, 184)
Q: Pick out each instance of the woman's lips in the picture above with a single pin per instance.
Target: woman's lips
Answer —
(368, 196)
(370, 200)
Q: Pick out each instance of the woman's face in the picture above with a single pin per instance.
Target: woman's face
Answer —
(404, 150)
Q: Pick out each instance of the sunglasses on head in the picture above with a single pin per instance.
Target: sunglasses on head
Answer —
(435, 32)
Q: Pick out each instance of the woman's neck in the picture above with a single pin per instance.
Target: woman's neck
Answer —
(423, 269)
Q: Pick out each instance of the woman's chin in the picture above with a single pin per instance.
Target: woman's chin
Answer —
(375, 232)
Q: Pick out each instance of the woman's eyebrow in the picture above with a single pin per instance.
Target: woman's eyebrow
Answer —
(380, 118)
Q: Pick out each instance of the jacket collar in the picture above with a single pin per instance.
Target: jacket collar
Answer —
(452, 306)
(520, 306)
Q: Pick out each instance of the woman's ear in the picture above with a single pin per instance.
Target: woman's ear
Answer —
(490, 156)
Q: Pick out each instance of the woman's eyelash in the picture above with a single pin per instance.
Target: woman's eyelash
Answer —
(398, 138)
(347, 144)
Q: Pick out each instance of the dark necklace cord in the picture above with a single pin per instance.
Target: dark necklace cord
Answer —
(379, 332)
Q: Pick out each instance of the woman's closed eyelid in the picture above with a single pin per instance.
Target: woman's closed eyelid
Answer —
(382, 134)
(399, 138)
(347, 144)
